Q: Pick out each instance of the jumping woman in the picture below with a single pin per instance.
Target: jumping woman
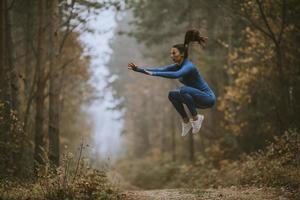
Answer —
(195, 93)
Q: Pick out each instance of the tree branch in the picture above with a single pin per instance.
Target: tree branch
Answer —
(283, 20)
(33, 49)
(11, 5)
(60, 68)
(262, 13)
(248, 18)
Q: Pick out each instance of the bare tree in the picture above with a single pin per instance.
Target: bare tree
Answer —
(39, 152)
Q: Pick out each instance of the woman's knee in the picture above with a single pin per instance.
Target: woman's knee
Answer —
(183, 90)
(213, 100)
(173, 95)
(210, 102)
(205, 101)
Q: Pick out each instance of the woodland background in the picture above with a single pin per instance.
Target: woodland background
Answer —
(251, 61)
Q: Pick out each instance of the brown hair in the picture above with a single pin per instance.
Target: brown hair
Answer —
(192, 35)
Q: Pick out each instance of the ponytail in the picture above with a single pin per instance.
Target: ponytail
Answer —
(192, 35)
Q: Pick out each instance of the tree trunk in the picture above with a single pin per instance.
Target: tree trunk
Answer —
(5, 100)
(173, 136)
(4, 86)
(13, 75)
(191, 138)
(39, 152)
(29, 71)
(54, 86)
(4, 68)
(2, 47)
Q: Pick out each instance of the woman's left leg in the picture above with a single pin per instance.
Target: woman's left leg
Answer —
(194, 98)
(177, 101)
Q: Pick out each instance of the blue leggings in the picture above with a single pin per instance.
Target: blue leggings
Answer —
(193, 98)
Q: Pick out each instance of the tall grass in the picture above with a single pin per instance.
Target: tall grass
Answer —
(74, 179)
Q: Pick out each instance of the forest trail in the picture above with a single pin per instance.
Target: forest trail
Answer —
(208, 194)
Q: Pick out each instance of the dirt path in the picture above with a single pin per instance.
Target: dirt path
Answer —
(158, 194)
(209, 194)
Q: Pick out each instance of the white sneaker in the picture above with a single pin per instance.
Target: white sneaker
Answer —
(197, 124)
(186, 127)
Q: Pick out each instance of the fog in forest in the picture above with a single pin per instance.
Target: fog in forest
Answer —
(107, 124)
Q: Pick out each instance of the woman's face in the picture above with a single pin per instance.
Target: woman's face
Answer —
(175, 55)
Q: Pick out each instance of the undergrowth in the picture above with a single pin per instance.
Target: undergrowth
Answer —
(278, 165)
(74, 179)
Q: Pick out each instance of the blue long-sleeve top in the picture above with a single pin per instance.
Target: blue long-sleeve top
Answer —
(187, 73)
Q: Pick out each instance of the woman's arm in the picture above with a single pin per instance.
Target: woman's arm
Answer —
(141, 70)
(172, 67)
(185, 69)
(135, 68)
(149, 71)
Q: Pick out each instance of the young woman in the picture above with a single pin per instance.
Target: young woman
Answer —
(195, 93)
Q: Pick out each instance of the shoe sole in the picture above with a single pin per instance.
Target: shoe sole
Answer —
(186, 132)
(202, 116)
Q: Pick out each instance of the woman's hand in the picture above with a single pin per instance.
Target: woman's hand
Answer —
(132, 66)
(148, 72)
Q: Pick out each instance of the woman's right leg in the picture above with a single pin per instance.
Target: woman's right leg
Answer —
(177, 101)
(195, 98)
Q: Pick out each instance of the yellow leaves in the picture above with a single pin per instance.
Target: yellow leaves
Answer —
(231, 71)
(237, 98)
(290, 28)
(70, 155)
(221, 104)
(250, 3)
(184, 169)
(215, 150)
(235, 129)
(234, 95)
(247, 66)
(223, 163)
(233, 55)
(254, 70)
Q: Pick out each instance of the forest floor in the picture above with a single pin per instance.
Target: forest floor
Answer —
(232, 193)
(130, 192)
